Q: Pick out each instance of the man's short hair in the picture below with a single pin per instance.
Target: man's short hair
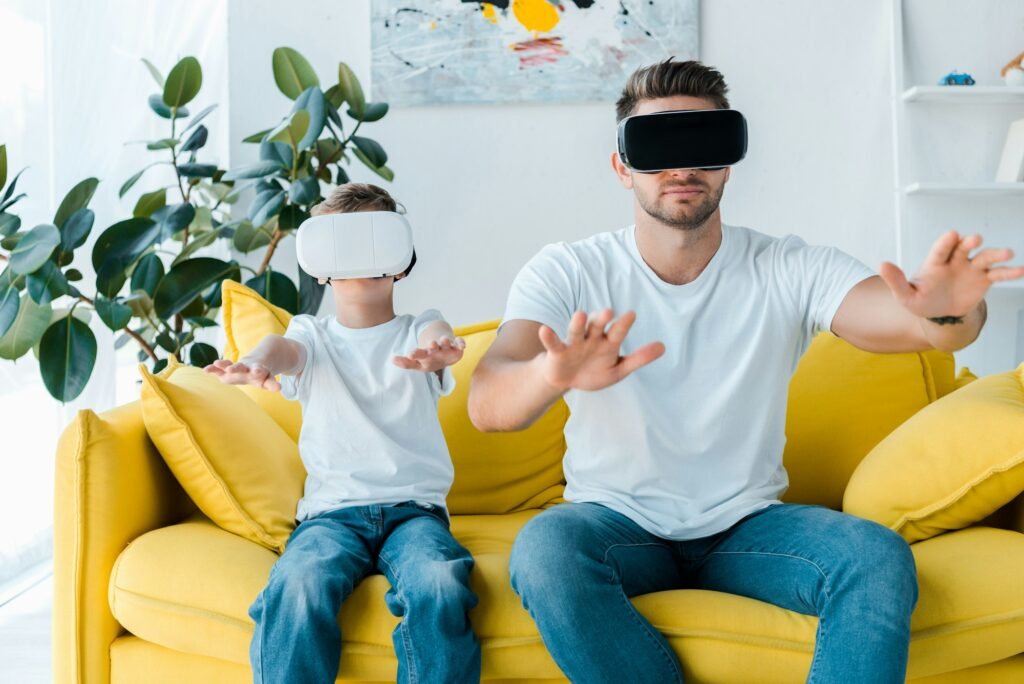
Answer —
(351, 197)
(670, 78)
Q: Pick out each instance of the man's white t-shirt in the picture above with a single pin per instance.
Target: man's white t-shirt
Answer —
(691, 443)
(370, 433)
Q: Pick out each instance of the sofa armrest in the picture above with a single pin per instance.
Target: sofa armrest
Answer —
(111, 485)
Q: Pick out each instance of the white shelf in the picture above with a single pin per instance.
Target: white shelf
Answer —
(966, 189)
(965, 94)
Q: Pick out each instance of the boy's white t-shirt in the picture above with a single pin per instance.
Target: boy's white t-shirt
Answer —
(370, 432)
(691, 443)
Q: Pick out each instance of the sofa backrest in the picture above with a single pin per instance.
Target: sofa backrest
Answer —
(842, 402)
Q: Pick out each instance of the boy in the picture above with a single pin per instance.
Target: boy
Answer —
(378, 472)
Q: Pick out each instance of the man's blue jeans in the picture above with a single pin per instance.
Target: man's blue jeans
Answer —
(576, 565)
(297, 637)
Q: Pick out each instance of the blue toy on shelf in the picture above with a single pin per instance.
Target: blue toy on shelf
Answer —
(956, 78)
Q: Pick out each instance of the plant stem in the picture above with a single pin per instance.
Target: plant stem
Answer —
(131, 333)
(270, 250)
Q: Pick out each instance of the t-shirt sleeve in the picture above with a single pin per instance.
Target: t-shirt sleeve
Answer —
(440, 387)
(546, 290)
(301, 329)
(818, 278)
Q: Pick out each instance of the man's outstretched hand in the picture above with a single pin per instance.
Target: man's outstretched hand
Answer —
(589, 358)
(951, 282)
(231, 373)
(440, 354)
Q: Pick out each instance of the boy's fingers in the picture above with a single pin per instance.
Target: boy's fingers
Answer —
(419, 354)
(272, 385)
(214, 370)
(460, 343)
(237, 368)
(405, 362)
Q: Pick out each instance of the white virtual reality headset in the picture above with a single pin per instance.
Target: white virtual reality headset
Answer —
(363, 244)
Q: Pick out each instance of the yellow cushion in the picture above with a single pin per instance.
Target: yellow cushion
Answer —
(499, 472)
(494, 473)
(241, 469)
(842, 402)
(970, 612)
(248, 318)
(952, 464)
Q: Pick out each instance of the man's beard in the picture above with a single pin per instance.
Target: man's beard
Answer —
(695, 219)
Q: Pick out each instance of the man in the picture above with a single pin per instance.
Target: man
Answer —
(675, 439)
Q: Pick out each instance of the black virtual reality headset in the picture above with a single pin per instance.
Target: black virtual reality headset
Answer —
(686, 139)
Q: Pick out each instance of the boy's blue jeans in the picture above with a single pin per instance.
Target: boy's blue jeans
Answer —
(576, 565)
(297, 637)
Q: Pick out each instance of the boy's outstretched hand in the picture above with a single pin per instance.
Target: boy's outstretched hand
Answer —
(439, 355)
(232, 373)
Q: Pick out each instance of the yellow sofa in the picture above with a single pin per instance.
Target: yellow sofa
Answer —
(147, 589)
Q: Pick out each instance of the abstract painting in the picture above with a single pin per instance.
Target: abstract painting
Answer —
(500, 51)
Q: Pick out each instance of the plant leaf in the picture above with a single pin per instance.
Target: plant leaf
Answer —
(265, 206)
(164, 144)
(248, 237)
(47, 283)
(135, 179)
(201, 354)
(292, 72)
(76, 229)
(292, 129)
(351, 90)
(113, 313)
(9, 304)
(277, 289)
(124, 242)
(67, 354)
(382, 171)
(305, 191)
(194, 170)
(257, 137)
(257, 170)
(311, 293)
(183, 82)
(187, 280)
(3, 166)
(28, 327)
(196, 140)
(154, 72)
(197, 118)
(156, 103)
(374, 111)
(33, 250)
(372, 150)
(150, 202)
(147, 274)
(312, 101)
(78, 197)
(173, 219)
(9, 224)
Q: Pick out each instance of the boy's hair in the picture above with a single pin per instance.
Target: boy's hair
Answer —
(351, 197)
(669, 78)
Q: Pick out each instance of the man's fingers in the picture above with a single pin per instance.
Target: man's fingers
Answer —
(577, 328)
(896, 280)
(549, 339)
(942, 251)
(617, 333)
(639, 358)
(597, 323)
(986, 257)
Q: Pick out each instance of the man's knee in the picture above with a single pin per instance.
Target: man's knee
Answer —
(880, 562)
(549, 548)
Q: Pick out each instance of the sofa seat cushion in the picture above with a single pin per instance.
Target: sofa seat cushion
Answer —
(188, 588)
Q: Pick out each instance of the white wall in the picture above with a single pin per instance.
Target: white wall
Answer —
(487, 186)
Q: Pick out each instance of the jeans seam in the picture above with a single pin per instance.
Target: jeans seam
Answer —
(644, 625)
(824, 575)
(402, 626)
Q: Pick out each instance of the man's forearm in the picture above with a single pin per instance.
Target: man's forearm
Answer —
(507, 395)
(953, 336)
(277, 355)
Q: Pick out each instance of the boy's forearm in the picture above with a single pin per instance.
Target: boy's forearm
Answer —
(277, 355)
(507, 395)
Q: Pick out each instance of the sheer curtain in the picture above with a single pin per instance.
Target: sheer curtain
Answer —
(73, 91)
